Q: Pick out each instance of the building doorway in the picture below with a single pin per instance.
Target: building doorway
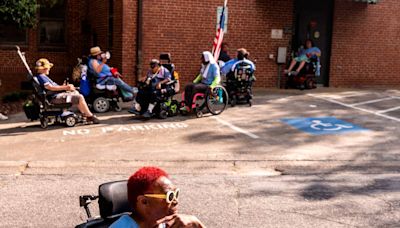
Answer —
(314, 20)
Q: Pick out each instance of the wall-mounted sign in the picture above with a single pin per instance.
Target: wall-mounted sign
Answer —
(277, 33)
(317, 34)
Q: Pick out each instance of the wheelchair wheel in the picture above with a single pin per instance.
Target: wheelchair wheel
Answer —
(199, 114)
(101, 105)
(163, 114)
(70, 121)
(233, 101)
(217, 100)
(44, 122)
(173, 108)
(117, 108)
(309, 83)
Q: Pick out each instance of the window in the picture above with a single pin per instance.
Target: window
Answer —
(11, 34)
(52, 23)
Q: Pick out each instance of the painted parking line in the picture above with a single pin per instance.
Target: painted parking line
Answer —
(236, 128)
(377, 113)
(389, 110)
(373, 101)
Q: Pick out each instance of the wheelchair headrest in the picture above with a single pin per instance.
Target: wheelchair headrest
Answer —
(165, 56)
(113, 199)
(170, 67)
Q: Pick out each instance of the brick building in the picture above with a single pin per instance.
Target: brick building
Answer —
(359, 40)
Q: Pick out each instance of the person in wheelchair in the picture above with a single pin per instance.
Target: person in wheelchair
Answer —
(59, 94)
(107, 75)
(229, 69)
(153, 85)
(209, 76)
(154, 200)
(304, 56)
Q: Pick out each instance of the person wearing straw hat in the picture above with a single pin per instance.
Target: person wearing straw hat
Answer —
(106, 74)
(60, 94)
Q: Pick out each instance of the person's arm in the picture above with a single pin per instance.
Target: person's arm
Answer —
(56, 88)
(197, 79)
(181, 221)
(167, 78)
(98, 67)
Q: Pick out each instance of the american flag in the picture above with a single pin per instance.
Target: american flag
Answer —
(216, 49)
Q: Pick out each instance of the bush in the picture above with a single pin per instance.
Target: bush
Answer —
(15, 96)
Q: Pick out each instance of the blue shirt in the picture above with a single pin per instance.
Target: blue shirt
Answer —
(105, 71)
(125, 221)
(45, 80)
(162, 74)
(213, 72)
(228, 65)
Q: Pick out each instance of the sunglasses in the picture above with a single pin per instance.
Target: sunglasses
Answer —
(170, 196)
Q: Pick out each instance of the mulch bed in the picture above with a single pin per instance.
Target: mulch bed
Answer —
(10, 108)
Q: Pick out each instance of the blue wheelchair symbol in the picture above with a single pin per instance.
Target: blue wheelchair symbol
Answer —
(322, 125)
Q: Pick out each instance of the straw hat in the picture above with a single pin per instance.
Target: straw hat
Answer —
(95, 51)
(42, 64)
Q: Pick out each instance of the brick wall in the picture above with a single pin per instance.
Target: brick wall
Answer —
(13, 70)
(365, 42)
(366, 45)
(186, 28)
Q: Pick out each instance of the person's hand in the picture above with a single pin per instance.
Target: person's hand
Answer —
(181, 221)
(71, 87)
(158, 86)
(118, 75)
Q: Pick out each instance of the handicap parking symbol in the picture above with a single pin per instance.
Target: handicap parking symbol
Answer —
(322, 125)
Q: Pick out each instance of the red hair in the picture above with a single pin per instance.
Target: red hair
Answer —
(141, 181)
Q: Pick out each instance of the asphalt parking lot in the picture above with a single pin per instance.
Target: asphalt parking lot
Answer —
(321, 158)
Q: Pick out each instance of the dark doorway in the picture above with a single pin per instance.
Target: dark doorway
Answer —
(314, 21)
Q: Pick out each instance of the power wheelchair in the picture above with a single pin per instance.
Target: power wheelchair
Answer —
(40, 107)
(306, 78)
(113, 203)
(100, 98)
(166, 105)
(239, 83)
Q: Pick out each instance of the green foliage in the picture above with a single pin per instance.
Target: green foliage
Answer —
(22, 12)
(15, 96)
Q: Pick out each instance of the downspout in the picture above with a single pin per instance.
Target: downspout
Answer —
(139, 40)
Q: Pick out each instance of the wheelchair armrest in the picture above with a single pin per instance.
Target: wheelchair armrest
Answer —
(171, 82)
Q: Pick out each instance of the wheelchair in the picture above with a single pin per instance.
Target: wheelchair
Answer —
(166, 105)
(306, 78)
(214, 101)
(239, 84)
(113, 203)
(100, 98)
(39, 107)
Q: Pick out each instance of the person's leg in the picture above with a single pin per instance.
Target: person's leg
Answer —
(124, 86)
(140, 98)
(301, 65)
(83, 108)
(292, 65)
(189, 95)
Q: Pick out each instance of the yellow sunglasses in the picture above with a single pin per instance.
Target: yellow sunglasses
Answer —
(170, 196)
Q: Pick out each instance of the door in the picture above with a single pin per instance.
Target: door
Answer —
(314, 21)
